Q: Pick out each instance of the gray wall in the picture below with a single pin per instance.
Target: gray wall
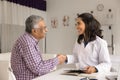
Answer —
(61, 39)
(12, 18)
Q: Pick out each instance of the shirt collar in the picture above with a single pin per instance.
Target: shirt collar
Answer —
(91, 42)
(32, 37)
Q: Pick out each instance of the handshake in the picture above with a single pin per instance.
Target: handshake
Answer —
(62, 58)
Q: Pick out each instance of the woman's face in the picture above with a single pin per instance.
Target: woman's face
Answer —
(80, 26)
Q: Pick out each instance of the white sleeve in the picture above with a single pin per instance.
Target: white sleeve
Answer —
(104, 59)
(70, 59)
(73, 58)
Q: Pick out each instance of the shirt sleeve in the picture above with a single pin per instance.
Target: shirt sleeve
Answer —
(34, 61)
(104, 59)
(73, 58)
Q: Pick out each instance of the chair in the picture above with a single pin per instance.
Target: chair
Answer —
(115, 59)
(11, 73)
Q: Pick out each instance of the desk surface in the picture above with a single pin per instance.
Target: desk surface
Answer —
(56, 75)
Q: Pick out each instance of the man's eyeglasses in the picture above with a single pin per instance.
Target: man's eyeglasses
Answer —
(41, 28)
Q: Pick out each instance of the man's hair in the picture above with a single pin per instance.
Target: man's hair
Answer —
(31, 21)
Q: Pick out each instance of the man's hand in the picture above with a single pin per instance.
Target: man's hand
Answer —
(90, 69)
(61, 58)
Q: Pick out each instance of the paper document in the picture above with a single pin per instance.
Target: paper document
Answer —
(82, 74)
(73, 72)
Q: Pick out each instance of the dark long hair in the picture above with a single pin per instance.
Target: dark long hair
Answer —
(92, 28)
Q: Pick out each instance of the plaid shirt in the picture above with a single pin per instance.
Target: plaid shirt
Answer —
(26, 59)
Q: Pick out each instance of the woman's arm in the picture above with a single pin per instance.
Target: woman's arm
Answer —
(73, 58)
(104, 58)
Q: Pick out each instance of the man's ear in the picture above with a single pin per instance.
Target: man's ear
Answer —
(33, 31)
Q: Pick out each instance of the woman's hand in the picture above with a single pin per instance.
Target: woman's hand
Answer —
(90, 69)
(62, 58)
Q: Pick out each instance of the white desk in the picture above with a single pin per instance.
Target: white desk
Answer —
(56, 75)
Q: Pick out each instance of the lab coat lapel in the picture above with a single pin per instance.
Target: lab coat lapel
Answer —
(89, 49)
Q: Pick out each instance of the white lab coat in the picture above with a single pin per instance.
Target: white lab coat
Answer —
(94, 54)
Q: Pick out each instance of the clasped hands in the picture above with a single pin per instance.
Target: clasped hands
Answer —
(62, 58)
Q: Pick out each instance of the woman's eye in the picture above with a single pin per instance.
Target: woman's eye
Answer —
(78, 23)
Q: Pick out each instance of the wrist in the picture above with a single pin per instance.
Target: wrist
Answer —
(96, 70)
(66, 60)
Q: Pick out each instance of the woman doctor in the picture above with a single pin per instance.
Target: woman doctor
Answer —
(90, 51)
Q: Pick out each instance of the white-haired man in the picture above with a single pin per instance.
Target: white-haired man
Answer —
(26, 59)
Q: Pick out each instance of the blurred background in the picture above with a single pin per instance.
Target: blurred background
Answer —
(59, 16)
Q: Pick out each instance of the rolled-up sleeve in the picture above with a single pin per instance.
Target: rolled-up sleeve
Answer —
(73, 58)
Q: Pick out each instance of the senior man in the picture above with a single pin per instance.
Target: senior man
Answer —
(26, 58)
